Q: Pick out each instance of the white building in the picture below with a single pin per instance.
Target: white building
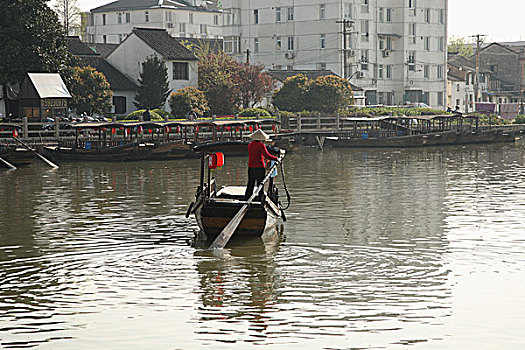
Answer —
(113, 22)
(142, 43)
(395, 49)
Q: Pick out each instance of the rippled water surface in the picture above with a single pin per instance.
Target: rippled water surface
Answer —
(383, 249)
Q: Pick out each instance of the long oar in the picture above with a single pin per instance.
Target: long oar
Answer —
(223, 238)
(7, 164)
(47, 161)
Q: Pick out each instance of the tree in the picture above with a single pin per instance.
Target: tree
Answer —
(90, 90)
(32, 40)
(188, 101)
(328, 94)
(459, 45)
(254, 84)
(153, 84)
(291, 96)
(325, 94)
(69, 14)
(219, 80)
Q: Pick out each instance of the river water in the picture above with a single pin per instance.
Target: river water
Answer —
(382, 249)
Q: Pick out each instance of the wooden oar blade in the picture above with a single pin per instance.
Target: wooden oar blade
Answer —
(228, 231)
(48, 162)
(7, 164)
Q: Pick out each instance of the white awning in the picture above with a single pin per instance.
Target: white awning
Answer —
(49, 85)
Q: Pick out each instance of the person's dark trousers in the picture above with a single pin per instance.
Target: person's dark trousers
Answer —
(254, 175)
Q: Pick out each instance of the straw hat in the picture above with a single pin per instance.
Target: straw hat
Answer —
(259, 135)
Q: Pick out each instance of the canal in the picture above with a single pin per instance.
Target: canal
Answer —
(382, 249)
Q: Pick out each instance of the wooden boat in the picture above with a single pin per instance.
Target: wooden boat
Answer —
(214, 208)
(420, 131)
(17, 156)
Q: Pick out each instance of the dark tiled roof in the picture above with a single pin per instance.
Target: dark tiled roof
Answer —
(117, 80)
(126, 5)
(164, 44)
(103, 49)
(216, 45)
(77, 47)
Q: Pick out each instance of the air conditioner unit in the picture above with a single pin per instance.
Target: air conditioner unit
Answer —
(170, 24)
(386, 53)
(361, 74)
(289, 55)
(351, 53)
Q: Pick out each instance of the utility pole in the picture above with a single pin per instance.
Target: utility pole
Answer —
(346, 23)
(476, 79)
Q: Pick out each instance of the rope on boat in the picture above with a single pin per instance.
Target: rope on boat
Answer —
(288, 197)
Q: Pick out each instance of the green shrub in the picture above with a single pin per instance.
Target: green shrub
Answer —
(136, 115)
(188, 101)
(163, 114)
(520, 119)
(254, 112)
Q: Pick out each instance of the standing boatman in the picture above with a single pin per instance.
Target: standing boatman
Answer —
(257, 153)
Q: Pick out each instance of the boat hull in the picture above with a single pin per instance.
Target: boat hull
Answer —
(124, 153)
(212, 217)
(18, 157)
(426, 140)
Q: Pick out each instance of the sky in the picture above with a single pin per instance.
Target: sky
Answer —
(466, 17)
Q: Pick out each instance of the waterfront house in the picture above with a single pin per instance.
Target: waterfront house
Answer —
(142, 43)
(124, 89)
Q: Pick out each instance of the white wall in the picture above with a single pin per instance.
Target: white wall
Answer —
(129, 56)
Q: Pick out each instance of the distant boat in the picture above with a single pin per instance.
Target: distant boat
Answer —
(17, 156)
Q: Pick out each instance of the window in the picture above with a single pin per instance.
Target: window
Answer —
(348, 10)
(191, 18)
(441, 44)
(412, 60)
(427, 15)
(256, 16)
(216, 20)
(290, 43)
(277, 14)
(441, 17)
(182, 28)
(380, 72)
(389, 15)
(381, 14)
(289, 14)
(119, 18)
(103, 19)
(255, 45)
(389, 71)
(389, 43)
(381, 43)
(440, 101)
(364, 30)
(278, 43)
(427, 43)
(322, 11)
(105, 39)
(321, 65)
(323, 41)
(364, 59)
(146, 16)
(426, 71)
(412, 7)
(440, 72)
(128, 17)
(412, 32)
(364, 6)
(203, 28)
(181, 71)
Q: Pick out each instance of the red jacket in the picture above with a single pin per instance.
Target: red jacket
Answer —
(256, 153)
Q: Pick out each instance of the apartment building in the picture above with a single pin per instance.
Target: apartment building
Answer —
(395, 50)
(112, 23)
